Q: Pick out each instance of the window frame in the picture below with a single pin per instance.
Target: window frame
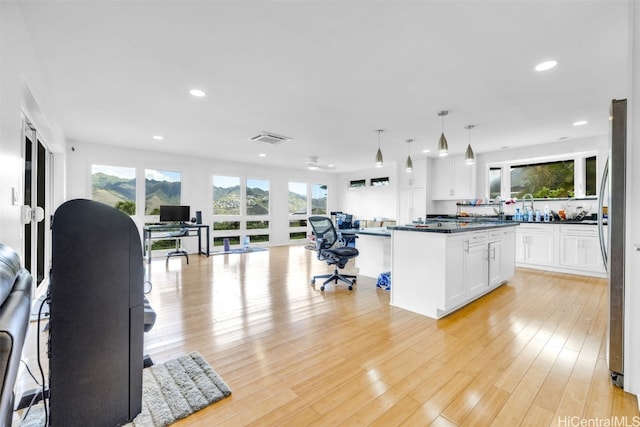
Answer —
(298, 217)
(579, 171)
(242, 217)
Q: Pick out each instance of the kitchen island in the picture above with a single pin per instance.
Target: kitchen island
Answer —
(440, 266)
(374, 245)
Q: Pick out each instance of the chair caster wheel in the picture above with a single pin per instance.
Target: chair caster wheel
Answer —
(322, 288)
(350, 287)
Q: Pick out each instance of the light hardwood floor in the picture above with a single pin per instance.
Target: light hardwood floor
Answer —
(531, 353)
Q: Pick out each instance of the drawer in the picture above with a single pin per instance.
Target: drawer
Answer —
(531, 228)
(582, 230)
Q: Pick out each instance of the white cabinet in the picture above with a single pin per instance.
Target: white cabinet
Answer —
(580, 248)
(566, 248)
(452, 179)
(455, 290)
(535, 244)
(495, 262)
(475, 267)
(501, 263)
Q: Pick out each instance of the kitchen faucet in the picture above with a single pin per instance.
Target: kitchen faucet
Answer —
(524, 202)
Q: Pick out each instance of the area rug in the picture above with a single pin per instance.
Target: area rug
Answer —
(170, 391)
(240, 251)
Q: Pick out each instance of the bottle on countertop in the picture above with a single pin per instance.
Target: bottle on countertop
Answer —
(537, 215)
(530, 215)
(546, 213)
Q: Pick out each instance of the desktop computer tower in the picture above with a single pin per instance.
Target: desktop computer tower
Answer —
(96, 316)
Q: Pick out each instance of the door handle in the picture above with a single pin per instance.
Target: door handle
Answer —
(37, 214)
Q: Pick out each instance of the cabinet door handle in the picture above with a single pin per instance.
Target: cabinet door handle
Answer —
(493, 254)
(466, 246)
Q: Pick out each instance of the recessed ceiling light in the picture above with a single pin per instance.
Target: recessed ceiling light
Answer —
(197, 93)
(547, 65)
(262, 155)
(158, 137)
(331, 165)
(426, 151)
(580, 123)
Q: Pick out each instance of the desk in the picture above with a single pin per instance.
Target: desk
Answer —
(164, 232)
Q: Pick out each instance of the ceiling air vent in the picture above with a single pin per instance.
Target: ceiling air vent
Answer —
(269, 138)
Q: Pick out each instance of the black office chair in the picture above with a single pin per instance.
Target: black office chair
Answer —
(178, 251)
(326, 239)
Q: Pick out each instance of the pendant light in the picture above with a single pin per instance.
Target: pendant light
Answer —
(379, 153)
(469, 157)
(443, 146)
(409, 164)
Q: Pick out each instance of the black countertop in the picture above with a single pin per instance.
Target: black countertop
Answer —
(457, 226)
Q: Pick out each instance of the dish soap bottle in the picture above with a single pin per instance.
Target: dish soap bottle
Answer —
(546, 213)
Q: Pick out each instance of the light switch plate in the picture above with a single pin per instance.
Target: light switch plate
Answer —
(14, 196)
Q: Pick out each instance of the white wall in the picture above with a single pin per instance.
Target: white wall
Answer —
(568, 147)
(367, 203)
(197, 190)
(24, 93)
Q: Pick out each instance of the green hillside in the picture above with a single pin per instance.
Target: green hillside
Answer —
(161, 193)
(112, 190)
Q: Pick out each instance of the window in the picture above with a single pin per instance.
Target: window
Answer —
(226, 195)
(114, 186)
(257, 225)
(226, 225)
(357, 183)
(550, 179)
(379, 182)
(233, 240)
(304, 199)
(591, 178)
(495, 182)
(257, 199)
(297, 198)
(259, 238)
(319, 199)
(241, 209)
(161, 188)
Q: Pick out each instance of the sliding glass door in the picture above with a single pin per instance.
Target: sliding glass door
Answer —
(37, 181)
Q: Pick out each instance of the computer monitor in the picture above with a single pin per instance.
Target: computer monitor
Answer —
(170, 213)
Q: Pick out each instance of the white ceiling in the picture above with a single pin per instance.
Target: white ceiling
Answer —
(328, 74)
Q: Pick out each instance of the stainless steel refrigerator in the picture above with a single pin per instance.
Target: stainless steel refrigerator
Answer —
(612, 241)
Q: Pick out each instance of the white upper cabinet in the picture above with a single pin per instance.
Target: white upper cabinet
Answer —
(452, 179)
